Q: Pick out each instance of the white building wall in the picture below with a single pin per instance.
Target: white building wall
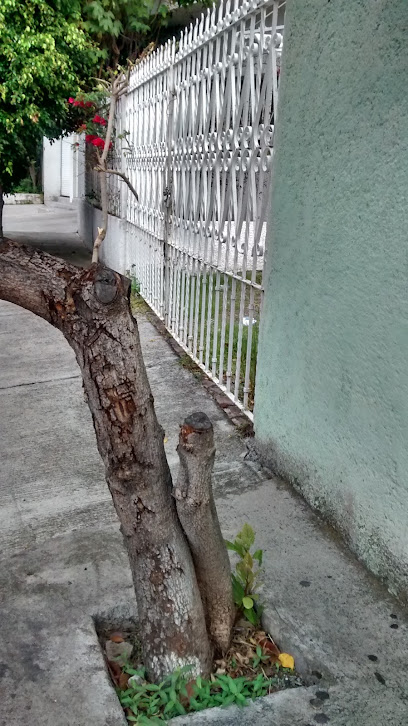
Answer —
(51, 170)
(61, 170)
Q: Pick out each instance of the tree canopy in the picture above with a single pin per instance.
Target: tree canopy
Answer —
(123, 28)
(46, 55)
(49, 51)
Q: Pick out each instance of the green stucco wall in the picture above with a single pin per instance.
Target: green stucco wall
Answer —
(331, 408)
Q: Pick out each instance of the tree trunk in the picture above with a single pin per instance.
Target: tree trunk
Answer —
(198, 517)
(1, 213)
(33, 175)
(91, 308)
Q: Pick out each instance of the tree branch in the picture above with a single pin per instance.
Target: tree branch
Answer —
(32, 279)
(117, 86)
(122, 176)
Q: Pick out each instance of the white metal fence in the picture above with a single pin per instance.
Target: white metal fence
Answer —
(200, 115)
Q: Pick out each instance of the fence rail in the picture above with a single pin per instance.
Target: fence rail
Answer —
(200, 115)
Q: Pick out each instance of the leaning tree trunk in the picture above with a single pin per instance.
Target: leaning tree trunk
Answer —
(91, 308)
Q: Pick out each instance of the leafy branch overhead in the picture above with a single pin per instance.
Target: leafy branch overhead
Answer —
(122, 28)
(45, 55)
(50, 51)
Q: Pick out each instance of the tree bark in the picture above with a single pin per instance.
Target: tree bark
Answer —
(33, 175)
(198, 517)
(91, 308)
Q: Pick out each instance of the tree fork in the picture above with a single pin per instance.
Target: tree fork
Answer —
(91, 308)
(199, 519)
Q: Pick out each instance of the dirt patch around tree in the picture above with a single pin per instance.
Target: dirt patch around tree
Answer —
(253, 667)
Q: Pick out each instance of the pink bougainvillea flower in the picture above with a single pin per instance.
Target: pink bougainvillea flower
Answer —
(82, 127)
(89, 138)
(76, 103)
(89, 104)
(99, 120)
(98, 142)
(71, 100)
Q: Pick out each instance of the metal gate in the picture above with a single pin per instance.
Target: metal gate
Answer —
(200, 116)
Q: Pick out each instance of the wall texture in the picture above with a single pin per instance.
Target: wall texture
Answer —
(331, 409)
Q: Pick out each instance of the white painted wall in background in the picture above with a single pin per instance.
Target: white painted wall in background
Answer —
(61, 176)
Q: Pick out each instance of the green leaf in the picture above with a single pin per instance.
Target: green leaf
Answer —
(247, 536)
(251, 616)
(237, 591)
(241, 700)
(235, 547)
(247, 602)
(169, 707)
(258, 555)
(229, 700)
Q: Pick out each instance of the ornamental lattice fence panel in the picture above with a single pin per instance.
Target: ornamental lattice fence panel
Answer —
(200, 116)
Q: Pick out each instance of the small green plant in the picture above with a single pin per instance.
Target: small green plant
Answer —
(26, 186)
(135, 284)
(260, 657)
(245, 579)
(151, 703)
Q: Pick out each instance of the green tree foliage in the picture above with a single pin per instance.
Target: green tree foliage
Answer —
(46, 55)
(123, 28)
(49, 51)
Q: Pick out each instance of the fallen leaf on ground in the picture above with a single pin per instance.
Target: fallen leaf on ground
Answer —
(123, 680)
(268, 646)
(287, 661)
(115, 671)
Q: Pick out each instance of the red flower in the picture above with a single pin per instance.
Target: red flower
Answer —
(89, 104)
(82, 127)
(98, 142)
(89, 138)
(99, 120)
(71, 100)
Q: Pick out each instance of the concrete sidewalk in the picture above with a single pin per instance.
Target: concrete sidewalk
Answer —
(62, 559)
